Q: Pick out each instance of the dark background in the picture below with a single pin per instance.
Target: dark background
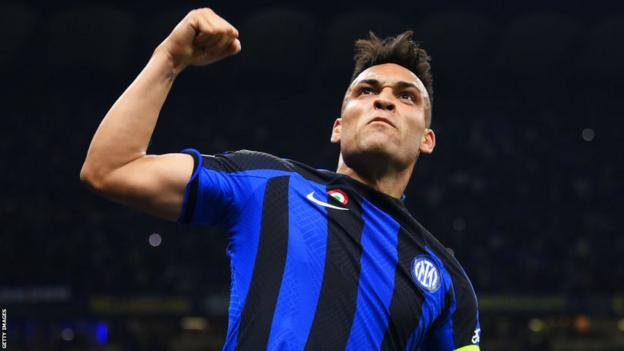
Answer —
(525, 184)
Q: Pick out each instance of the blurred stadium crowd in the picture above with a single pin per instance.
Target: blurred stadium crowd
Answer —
(525, 184)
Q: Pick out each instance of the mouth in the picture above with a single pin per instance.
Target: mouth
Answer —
(382, 120)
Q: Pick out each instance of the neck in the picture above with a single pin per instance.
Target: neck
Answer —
(388, 181)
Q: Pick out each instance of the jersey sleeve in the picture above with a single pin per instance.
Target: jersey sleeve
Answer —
(458, 329)
(221, 183)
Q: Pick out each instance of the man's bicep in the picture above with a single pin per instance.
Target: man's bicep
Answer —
(190, 187)
(154, 184)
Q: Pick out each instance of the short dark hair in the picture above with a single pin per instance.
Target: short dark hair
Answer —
(401, 50)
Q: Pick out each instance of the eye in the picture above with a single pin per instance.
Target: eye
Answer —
(366, 91)
(407, 95)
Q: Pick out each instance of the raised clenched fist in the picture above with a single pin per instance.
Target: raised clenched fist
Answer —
(201, 38)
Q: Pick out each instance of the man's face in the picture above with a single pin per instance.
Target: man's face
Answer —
(383, 117)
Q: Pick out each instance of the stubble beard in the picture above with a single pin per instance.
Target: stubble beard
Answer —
(373, 157)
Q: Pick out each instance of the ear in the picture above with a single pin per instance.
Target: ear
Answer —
(428, 142)
(336, 131)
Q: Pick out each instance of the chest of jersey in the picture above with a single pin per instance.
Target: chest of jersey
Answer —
(322, 262)
(331, 268)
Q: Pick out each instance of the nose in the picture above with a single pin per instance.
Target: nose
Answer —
(383, 103)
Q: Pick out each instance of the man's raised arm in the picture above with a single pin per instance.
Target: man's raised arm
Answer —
(117, 165)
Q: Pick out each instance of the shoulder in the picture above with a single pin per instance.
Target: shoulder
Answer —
(257, 162)
(241, 160)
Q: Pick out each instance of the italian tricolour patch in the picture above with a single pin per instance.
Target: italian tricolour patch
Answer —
(426, 273)
(339, 195)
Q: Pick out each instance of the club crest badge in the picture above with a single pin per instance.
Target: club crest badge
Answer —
(426, 273)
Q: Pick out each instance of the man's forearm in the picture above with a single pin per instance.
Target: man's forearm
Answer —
(125, 131)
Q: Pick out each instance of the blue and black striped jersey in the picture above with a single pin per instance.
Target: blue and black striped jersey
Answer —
(323, 262)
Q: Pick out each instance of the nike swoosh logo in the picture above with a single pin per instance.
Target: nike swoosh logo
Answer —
(310, 197)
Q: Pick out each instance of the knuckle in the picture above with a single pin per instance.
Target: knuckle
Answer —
(228, 30)
(220, 32)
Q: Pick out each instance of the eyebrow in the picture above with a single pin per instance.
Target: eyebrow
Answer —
(400, 84)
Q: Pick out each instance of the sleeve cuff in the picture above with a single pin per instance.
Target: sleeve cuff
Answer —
(190, 192)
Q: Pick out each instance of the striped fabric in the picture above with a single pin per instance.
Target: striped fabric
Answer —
(322, 262)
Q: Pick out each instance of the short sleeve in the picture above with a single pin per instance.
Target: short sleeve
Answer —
(458, 329)
(220, 184)
(465, 319)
